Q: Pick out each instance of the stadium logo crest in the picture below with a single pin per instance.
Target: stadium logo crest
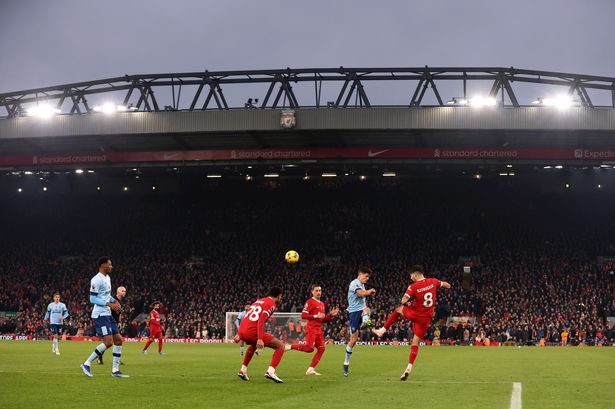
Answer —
(287, 119)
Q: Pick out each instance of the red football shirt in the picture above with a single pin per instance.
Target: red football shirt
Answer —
(256, 316)
(154, 320)
(311, 308)
(424, 293)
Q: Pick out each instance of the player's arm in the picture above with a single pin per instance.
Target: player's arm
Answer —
(405, 299)
(366, 293)
(445, 284)
(308, 313)
(47, 314)
(331, 314)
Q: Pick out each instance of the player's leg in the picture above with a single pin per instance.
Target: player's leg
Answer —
(117, 350)
(366, 321)
(271, 342)
(159, 336)
(354, 319)
(319, 342)
(56, 344)
(389, 322)
(241, 347)
(105, 332)
(249, 339)
(421, 324)
(149, 342)
(308, 346)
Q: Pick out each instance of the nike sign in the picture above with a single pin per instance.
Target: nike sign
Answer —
(371, 154)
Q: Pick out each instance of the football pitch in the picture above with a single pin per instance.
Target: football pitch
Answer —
(204, 376)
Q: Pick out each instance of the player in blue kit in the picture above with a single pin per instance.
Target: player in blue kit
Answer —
(358, 311)
(56, 314)
(106, 326)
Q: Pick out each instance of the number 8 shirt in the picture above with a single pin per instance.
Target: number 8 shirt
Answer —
(252, 327)
(421, 311)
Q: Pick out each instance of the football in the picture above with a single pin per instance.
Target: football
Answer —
(291, 257)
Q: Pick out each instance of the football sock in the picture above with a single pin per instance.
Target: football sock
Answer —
(55, 344)
(276, 358)
(391, 320)
(271, 369)
(364, 318)
(149, 342)
(409, 368)
(244, 368)
(117, 354)
(98, 351)
(159, 345)
(319, 353)
(248, 356)
(241, 350)
(414, 351)
(348, 355)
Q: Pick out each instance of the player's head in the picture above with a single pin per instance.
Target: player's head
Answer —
(417, 272)
(363, 274)
(120, 292)
(275, 293)
(104, 265)
(156, 305)
(56, 297)
(316, 291)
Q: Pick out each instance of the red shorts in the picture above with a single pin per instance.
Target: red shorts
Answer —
(421, 324)
(252, 337)
(316, 339)
(155, 333)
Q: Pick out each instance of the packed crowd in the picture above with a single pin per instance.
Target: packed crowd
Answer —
(534, 273)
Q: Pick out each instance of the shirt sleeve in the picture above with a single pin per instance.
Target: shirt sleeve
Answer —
(64, 311)
(410, 291)
(94, 287)
(354, 287)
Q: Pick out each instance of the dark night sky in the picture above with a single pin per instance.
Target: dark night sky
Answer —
(47, 43)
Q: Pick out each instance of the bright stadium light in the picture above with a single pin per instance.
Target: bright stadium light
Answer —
(362, 177)
(559, 167)
(42, 111)
(125, 189)
(98, 188)
(457, 101)
(248, 177)
(306, 177)
(90, 171)
(44, 188)
(329, 175)
(78, 171)
(561, 101)
(271, 175)
(389, 174)
(19, 190)
(153, 187)
(213, 176)
(109, 108)
(479, 101)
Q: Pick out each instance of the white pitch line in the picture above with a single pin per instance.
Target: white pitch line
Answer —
(515, 397)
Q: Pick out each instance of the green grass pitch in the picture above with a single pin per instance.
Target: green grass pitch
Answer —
(204, 376)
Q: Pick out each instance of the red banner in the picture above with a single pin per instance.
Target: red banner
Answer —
(308, 153)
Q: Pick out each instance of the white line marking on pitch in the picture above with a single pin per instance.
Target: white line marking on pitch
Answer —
(515, 397)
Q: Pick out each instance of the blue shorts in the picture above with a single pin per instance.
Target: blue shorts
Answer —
(56, 328)
(106, 326)
(355, 321)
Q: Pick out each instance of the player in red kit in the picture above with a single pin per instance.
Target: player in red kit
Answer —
(252, 332)
(155, 329)
(423, 294)
(314, 312)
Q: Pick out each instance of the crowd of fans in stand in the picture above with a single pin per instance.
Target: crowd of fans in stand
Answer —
(535, 273)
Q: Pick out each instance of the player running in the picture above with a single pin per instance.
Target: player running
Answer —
(155, 329)
(106, 327)
(423, 294)
(358, 312)
(252, 331)
(314, 312)
(120, 293)
(56, 314)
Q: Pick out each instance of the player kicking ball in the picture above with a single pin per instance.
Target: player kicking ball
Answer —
(314, 312)
(423, 294)
(252, 332)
